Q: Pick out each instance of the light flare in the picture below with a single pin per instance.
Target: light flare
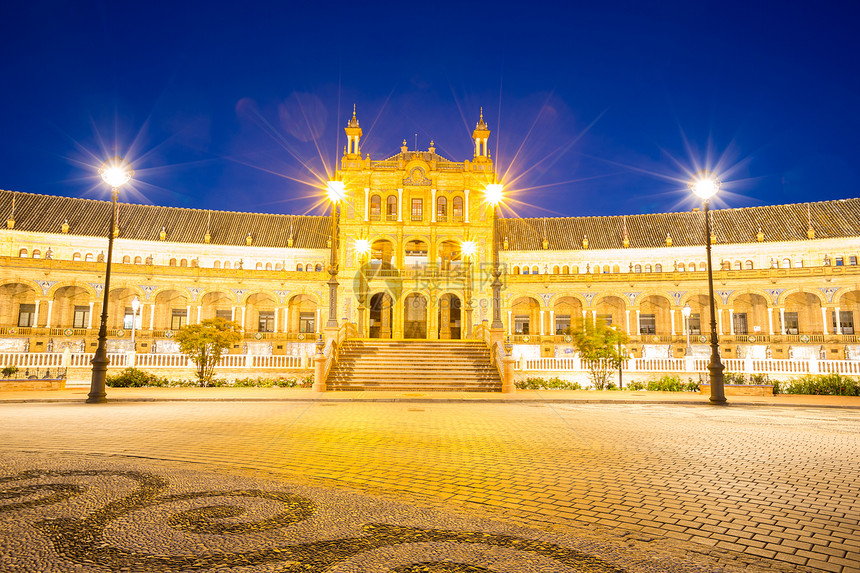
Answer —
(336, 191)
(494, 194)
(468, 248)
(116, 172)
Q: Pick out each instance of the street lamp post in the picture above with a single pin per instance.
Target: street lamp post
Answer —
(335, 191)
(468, 250)
(620, 357)
(362, 249)
(705, 186)
(687, 312)
(115, 173)
(135, 306)
(494, 197)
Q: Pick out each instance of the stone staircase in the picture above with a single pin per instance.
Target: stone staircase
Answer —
(415, 365)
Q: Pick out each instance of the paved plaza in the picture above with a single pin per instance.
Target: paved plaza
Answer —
(429, 486)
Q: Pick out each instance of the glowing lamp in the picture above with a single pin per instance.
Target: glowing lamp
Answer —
(116, 172)
(687, 311)
(362, 246)
(493, 193)
(336, 191)
(704, 184)
(468, 248)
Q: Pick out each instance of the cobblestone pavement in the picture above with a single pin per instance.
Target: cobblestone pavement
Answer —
(608, 487)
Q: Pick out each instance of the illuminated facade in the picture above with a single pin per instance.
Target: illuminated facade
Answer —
(787, 278)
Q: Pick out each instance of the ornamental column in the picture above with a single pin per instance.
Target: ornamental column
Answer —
(770, 321)
(672, 319)
(732, 321)
(782, 320)
(824, 319)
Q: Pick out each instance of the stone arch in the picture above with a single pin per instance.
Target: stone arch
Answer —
(613, 307)
(13, 294)
(72, 299)
(654, 315)
(567, 313)
(215, 300)
(750, 310)
(171, 308)
(450, 316)
(382, 252)
(525, 315)
(849, 310)
(416, 307)
(119, 301)
(807, 305)
(260, 308)
(302, 314)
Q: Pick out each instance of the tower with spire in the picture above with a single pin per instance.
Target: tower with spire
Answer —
(481, 135)
(353, 137)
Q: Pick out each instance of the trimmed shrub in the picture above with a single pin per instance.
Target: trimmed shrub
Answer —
(669, 383)
(822, 384)
(134, 378)
(540, 384)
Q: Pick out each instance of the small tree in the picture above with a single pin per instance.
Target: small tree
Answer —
(599, 348)
(204, 344)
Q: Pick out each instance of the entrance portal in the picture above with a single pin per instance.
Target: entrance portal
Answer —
(381, 313)
(415, 316)
(449, 317)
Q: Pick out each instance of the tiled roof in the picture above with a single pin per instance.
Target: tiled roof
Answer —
(830, 219)
(46, 213)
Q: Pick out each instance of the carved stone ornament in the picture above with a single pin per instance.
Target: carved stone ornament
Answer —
(416, 177)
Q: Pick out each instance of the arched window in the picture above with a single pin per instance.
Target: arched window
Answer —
(126, 260)
(658, 268)
(565, 270)
(88, 258)
(299, 267)
(23, 253)
(515, 270)
(442, 209)
(309, 267)
(172, 262)
(691, 267)
(138, 260)
(703, 267)
(525, 270)
(737, 265)
(227, 265)
(375, 207)
(647, 268)
(681, 267)
(279, 267)
(391, 208)
(555, 270)
(852, 260)
(194, 263)
(259, 267)
(615, 269)
(268, 266)
(596, 270)
(749, 265)
(605, 268)
(76, 257)
(535, 270)
(318, 268)
(637, 269)
(216, 265)
(786, 263)
(101, 258)
(183, 263)
(574, 270)
(457, 210)
(37, 254)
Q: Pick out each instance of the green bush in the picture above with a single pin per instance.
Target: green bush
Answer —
(134, 378)
(822, 384)
(635, 385)
(668, 383)
(746, 379)
(535, 384)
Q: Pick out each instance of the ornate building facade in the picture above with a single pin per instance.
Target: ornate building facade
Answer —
(787, 277)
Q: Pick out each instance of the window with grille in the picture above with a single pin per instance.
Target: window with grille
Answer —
(82, 317)
(417, 209)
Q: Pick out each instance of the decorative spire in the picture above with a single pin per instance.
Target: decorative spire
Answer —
(481, 123)
(354, 121)
(207, 237)
(249, 239)
(810, 232)
(65, 227)
(163, 234)
(668, 240)
(585, 241)
(760, 235)
(544, 242)
(290, 238)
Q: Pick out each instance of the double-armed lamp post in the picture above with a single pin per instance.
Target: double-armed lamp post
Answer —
(116, 173)
(493, 195)
(336, 191)
(705, 185)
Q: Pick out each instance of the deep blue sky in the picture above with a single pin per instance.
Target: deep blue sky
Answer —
(222, 104)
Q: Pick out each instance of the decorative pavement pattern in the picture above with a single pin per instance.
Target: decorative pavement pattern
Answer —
(272, 486)
(167, 520)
